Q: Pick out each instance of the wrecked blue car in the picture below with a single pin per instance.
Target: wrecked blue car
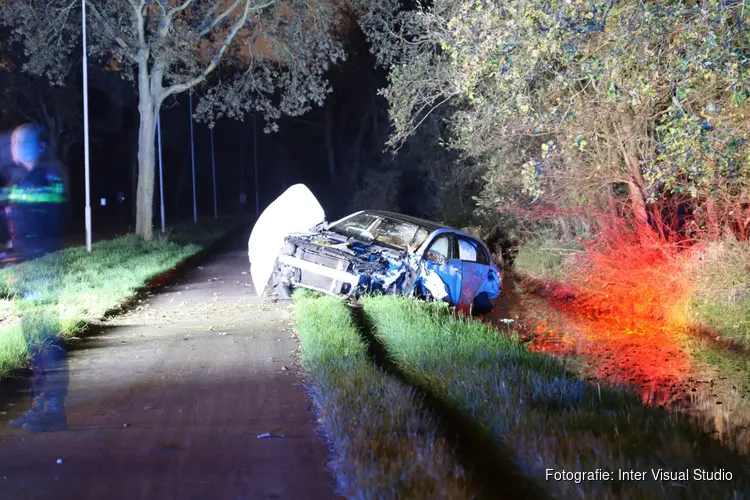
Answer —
(376, 252)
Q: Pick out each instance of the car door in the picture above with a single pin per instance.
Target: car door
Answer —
(442, 268)
(479, 275)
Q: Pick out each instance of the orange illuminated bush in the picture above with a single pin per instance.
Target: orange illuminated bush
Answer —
(633, 271)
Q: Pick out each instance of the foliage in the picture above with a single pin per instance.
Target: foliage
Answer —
(568, 101)
(28, 98)
(721, 273)
(280, 50)
(421, 178)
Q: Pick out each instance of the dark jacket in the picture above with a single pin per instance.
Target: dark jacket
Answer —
(36, 209)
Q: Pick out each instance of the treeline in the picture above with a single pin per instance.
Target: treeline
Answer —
(579, 112)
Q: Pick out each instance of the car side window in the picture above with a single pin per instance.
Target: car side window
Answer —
(440, 248)
(472, 251)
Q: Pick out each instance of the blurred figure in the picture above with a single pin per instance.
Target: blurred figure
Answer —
(36, 203)
(37, 196)
(10, 173)
(5, 236)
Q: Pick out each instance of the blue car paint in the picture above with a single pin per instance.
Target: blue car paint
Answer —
(462, 280)
(450, 274)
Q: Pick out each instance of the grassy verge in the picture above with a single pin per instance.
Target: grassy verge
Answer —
(58, 293)
(544, 259)
(721, 274)
(383, 443)
(545, 417)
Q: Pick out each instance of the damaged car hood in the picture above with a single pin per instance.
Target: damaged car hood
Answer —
(295, 211)
(379, 267)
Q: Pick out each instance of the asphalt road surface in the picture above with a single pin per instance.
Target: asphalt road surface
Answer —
(168, 402)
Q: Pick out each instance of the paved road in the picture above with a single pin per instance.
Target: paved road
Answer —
(168, 402)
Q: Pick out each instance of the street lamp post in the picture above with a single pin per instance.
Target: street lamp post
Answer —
(213, 171)
(161, 173)
(242, 171)
(255, 151)
(192, 153)
(86, 128)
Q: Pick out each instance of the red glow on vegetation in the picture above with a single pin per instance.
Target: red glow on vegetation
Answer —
(611, 348)
(633, 272)
(622, 309)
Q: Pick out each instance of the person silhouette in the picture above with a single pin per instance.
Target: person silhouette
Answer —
(36, 202)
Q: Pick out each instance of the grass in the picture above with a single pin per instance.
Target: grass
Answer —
(72, 287)
(544, 258)
(383, 443)
(721, 273)
(542, 415)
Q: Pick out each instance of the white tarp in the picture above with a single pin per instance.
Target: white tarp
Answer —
(295, 211)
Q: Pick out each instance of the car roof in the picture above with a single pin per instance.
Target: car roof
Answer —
(429, 225)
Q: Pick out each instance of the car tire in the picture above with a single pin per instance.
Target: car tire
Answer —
(482, 304)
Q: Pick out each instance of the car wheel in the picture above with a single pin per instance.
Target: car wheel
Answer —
(284, 291)
(482, 304)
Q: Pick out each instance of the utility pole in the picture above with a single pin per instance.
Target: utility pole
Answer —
(213, 171)
(192, 152)
(161, 173)
(242, 171)
(86, 157)
(255, 151)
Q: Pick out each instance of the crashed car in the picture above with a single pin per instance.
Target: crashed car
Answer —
(370, 251)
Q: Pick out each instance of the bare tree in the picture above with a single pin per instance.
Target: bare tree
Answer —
(276, 53)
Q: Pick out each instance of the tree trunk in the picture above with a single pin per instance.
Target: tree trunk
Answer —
(611, 202)
(636, 186)
(712, 221)
(146, 153)
(628, 146)
(356, 149)
(636, 183)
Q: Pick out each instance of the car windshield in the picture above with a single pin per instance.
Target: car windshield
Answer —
(384, 230)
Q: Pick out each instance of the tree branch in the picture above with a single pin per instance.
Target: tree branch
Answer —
(21, 110)
(399, 140)
(169, 16)
(206, 30)
(182, 87)
(112, 32)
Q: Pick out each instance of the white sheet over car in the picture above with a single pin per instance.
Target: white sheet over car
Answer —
(295, 211)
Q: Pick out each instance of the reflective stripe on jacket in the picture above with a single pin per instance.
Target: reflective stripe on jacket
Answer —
(47, 194)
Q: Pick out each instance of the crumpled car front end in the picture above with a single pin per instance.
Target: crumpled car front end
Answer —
(330, 263)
